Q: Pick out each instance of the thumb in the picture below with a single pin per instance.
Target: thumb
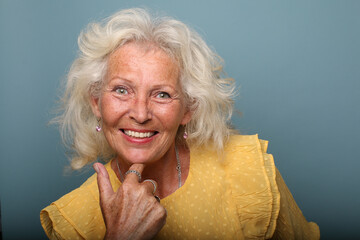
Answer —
(104, 184)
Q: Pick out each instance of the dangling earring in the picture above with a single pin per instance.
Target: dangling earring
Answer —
(185, 135)
(98, 127)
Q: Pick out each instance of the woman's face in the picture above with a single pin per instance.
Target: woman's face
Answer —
(141, 104)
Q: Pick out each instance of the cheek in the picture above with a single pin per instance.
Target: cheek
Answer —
(112, 110)
(171, 116)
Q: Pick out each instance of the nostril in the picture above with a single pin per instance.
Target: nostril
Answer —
(141, 117)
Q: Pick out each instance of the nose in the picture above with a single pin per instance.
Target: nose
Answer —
(140, 111)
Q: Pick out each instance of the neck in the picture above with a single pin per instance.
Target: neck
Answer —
(162, 171)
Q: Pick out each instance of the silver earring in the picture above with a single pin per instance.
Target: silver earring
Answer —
(98, 127)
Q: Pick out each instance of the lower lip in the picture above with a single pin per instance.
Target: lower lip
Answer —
(138, 140)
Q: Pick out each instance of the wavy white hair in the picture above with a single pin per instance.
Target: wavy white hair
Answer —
(207, 93)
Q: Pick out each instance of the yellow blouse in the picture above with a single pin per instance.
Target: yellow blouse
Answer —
(241, 197)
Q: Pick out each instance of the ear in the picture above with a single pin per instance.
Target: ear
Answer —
(187, 117)
(95, 106)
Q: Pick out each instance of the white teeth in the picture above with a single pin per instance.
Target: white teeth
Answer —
(138, 134)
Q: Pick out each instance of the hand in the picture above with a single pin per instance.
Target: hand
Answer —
(132, 212)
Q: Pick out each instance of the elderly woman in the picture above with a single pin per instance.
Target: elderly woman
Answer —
(146, 95)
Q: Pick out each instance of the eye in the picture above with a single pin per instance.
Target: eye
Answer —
(163, 95)
(121, 90)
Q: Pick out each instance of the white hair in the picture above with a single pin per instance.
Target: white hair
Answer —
(207, 94)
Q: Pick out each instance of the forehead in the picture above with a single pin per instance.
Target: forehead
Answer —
(140, 58)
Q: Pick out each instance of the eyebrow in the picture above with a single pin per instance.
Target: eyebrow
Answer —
(155, 86)
(119, 78)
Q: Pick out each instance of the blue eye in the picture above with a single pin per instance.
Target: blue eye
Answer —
(121, 90)
(163, 95)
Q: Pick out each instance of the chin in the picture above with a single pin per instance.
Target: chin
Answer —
(136, 160)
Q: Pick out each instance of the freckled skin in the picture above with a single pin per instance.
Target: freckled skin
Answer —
(141, 94)
(143, 70)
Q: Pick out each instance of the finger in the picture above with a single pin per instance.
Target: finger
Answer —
(132, 177)
(150, 185)
(104, 184)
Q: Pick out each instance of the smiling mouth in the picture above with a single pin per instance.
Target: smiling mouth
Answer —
(138, 134)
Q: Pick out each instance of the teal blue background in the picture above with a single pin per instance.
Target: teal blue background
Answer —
(297, 65)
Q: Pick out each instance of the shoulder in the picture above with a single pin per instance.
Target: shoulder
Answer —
(252, 176)
(246, 152)
(76, 214)
(246, 143)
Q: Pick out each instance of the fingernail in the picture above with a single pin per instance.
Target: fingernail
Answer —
(96, 168)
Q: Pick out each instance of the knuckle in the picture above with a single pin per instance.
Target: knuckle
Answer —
(161, 215)
(143, 190)
(160, 212)
(127, 188)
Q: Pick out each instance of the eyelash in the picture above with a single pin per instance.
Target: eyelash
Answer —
(120, 88)
(163, 93)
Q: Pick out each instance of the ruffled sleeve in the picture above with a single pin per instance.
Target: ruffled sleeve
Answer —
(56, 226)
(253, 186)
(264, 205)
(76, 215)
(291, 223)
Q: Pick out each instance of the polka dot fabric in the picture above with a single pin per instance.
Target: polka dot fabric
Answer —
(237, 197)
